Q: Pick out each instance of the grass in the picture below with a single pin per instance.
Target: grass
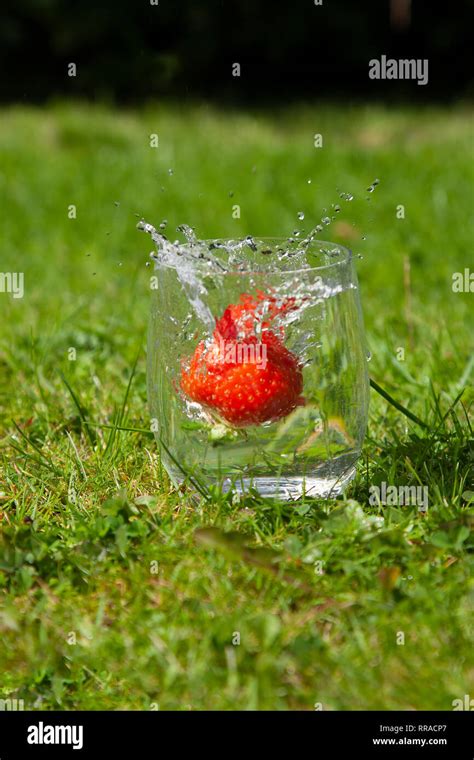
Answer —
(118, 592)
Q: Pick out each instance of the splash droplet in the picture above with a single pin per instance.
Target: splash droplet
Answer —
(372, 187)
(301, 215)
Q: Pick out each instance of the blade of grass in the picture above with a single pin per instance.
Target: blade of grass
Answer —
(41, 462)
(81, 466)
(197, 485)
(35, 446)
(397, 404)
(144, 431)
(82, 412)
(120, 416)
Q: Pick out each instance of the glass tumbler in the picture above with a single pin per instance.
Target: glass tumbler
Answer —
(257, 374)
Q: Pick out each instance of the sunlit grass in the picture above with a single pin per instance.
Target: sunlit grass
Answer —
(110, 598)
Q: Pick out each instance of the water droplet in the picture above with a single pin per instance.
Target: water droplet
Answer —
(337, 208)
(301, 215)
(188, 233)
(346, 196)
(326, 220)
(254, 169)
(309, 181)
(231, 193)
(170, 172)
(163, 224)
(120, 264)
(369, 356)
(372, 187)
(116, 203)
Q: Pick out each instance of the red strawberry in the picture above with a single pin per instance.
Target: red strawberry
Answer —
(247, 380)
(239, 319)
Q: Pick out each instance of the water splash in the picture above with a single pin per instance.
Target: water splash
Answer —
(336, 209)
(195, 259)
(189, 234)
(176, 256)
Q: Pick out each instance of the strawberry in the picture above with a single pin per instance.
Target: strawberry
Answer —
(242, 317)
(245, 379)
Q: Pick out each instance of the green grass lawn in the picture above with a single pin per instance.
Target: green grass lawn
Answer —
(112, 598)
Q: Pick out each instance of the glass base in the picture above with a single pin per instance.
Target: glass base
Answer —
(327, 484)
(290, 489)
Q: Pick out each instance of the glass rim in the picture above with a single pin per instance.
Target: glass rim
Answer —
(345, 258)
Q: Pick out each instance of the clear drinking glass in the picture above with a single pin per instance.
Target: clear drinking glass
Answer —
(257, 372)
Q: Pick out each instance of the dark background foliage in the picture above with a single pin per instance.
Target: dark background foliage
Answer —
(130, 50)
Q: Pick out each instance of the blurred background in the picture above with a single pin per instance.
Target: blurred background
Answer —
(133, 51)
